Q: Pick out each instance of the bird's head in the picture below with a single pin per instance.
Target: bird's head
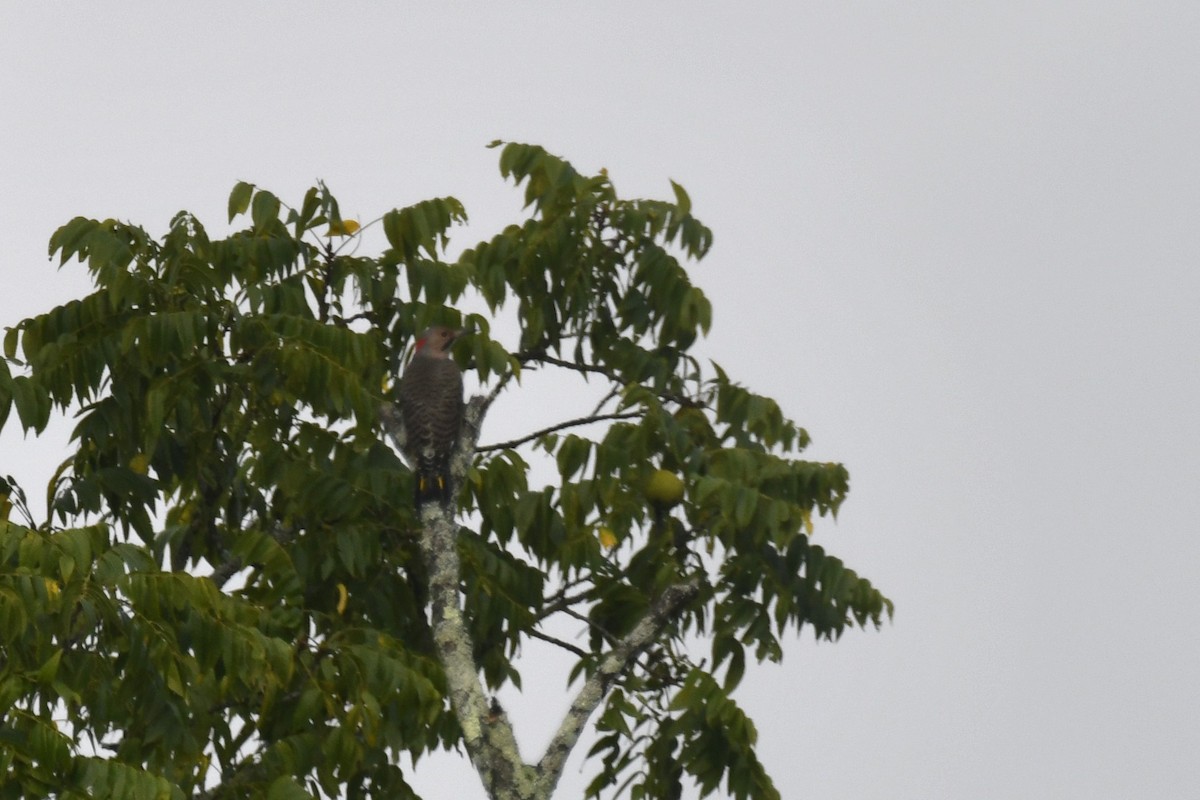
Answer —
(435, 341)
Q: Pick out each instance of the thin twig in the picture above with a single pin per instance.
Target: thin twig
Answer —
(536, 634)
(562, 602)
(495, 392)
(545, 358)
(570, 612)
(616, 390)
(571, 423)
(671, 397)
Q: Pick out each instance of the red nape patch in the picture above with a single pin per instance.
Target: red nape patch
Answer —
(421, 343)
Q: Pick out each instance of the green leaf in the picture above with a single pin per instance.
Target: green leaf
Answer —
(32, 401)
(573, 455)
(264, 211)
(239, 199)
(49, 670)
(10, 342)
(422, 226)
(6, 393)
(234, 401)
(744, 507)
(71, 239)
(681, 199)
(13, 617)
(48, 745)
(285, 788)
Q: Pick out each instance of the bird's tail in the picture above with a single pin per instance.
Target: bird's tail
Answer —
(432, 485)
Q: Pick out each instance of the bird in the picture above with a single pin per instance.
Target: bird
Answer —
(431, 405)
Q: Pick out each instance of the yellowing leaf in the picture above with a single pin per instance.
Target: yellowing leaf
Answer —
(53, 588)
(343, 598)
(806, 515)
(607, 538)
(346, 227)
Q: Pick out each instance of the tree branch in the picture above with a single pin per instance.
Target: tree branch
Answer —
(527, 356)
(225, 570)
(488, 735)
(613, 392)
(579, 651)
(570, 612)
(232, 565)
(571, 423)
(393, 424)
(593, 691)
(489, 738)
(495, 392)
(561, 601)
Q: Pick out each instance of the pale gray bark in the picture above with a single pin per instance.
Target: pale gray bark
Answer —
(488, 736)
(596, 686)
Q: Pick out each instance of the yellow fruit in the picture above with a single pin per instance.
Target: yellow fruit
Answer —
(664, 488)
(140, 463)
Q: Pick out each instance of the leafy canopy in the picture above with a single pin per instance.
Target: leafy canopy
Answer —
(231, 400)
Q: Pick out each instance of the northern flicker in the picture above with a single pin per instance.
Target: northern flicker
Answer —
(431, 403)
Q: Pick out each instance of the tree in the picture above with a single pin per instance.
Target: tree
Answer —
(235, 418)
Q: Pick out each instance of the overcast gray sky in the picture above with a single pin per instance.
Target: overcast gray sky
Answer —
(958, 241)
